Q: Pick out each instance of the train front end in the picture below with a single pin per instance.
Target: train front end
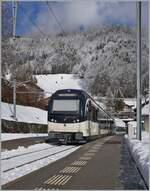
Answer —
(66, 121)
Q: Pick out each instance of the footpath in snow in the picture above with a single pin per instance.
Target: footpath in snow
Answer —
(140, 153)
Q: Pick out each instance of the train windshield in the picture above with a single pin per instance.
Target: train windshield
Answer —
(66, 106)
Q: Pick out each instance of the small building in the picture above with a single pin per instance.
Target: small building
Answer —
(120, 125)
(44, 103)
(128, 109)
(145, 116)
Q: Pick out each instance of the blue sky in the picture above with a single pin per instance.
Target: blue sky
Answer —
(76, 15)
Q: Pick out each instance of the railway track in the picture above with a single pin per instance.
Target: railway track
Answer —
(9, 163)
(26, 153)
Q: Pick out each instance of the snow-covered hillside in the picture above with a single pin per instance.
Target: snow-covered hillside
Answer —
(24, 114)
(53, 82)
(104, 57)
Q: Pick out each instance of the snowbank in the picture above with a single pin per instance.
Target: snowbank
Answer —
(140, 153)
(53, 82)
(24, 114)
(11, 136)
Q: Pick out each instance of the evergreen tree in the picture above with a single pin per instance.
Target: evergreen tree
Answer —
(118, 100)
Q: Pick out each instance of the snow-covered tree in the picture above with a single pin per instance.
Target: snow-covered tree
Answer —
(104, 57)
(118, 100)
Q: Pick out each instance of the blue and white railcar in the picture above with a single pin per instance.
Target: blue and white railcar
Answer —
(73, 116)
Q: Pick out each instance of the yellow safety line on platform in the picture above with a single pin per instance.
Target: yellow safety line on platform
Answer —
(89, 154)
(79, 163)
(85, 158)
(58, 179)
(66, 180)
(40, 188)
(51, 178)
(70, 170)
(92, 151)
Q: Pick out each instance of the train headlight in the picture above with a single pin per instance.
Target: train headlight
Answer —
(77, 120)
(52, 120)
(74, 121)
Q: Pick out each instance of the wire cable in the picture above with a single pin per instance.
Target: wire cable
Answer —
(38, 28)
(52, 12)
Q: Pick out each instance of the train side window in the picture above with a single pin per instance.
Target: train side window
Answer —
(82, 110)
(93, 114)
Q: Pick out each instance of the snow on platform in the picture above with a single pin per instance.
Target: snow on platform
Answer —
(140, 153)
(24, 114)
(52, 82)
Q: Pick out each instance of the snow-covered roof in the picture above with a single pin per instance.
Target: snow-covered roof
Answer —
(130, 102)
(132, 124)
(24, 114)
(119, 122)
(53, 82)
(146, 109)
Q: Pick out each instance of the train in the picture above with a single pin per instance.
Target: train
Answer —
(74, 116)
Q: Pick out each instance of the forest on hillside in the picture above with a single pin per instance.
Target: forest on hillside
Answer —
(105, 57)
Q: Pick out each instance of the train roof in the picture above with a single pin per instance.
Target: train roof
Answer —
(80, 91)
(70, 91)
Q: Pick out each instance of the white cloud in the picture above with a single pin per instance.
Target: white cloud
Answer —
(83, 13)
(73, 14)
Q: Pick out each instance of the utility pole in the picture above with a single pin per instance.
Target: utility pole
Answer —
(14, 4)
(139, 92)
(14, 98)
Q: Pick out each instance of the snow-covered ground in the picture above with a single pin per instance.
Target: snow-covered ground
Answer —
(34, 157)
(11, 136)
(24, 114)
(53, 82)
(140, 153)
